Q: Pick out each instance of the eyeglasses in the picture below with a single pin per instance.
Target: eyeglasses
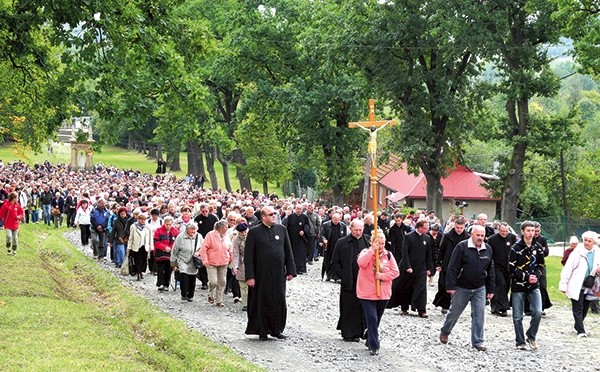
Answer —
(270, 214)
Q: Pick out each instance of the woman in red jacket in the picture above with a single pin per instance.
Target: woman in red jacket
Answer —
(12, 214)
(164, 238)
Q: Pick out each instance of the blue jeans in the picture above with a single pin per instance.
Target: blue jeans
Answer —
(119, 254)
(35, 216)
(518, 301)
(459, 302)
(373, 310)
(46, 213)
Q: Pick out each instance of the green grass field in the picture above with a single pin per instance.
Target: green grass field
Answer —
(61, 312)
(120, 158)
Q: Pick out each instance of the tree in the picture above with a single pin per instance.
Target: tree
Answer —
(265, 154)
(581, 22)
(518, 31)
(422, 57)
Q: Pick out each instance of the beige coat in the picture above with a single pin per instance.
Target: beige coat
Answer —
(138, 238)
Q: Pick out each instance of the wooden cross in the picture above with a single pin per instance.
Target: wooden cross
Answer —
(373, 126)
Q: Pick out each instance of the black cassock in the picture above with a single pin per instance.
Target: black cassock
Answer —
(296, 223)
(501, 250)
(447, 245)
(411, 289)
(343, 264)
(268, 258)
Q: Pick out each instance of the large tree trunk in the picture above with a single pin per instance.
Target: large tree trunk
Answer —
(239, 158)
(210, 165)
(194, 156)
(173, 161)
(515, 177)
(265, 187)
(225, 164)
(435, 192)
(338, 197)
(159, 154)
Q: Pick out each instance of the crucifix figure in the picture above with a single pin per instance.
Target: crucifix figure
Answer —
(373, 126)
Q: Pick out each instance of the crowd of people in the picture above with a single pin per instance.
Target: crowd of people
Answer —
(250, 245)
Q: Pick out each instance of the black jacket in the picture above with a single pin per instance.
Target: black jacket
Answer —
(471, 268)
(449, 241)
(523, 262)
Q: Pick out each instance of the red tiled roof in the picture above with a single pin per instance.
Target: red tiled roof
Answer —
(461, 183)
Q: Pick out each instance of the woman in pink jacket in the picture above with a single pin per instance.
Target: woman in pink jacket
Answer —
(216, 256)
(373, 305)
(12, 214)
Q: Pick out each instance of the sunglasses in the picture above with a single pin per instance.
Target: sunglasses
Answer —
(270, 214)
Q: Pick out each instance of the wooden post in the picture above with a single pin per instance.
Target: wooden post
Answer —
(373, 126)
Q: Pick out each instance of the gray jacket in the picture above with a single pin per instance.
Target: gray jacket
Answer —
(183, 249)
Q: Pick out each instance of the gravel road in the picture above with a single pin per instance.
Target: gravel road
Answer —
(407, 342)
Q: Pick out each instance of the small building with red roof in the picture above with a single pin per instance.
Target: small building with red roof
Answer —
(399, 187)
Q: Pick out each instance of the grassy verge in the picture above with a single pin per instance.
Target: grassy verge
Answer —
(120, 158)
(553, 269)
(60, 311)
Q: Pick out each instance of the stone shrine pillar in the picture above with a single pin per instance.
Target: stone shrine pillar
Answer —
(82, 156)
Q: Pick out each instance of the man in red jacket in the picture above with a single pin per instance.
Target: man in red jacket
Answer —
(11, 214)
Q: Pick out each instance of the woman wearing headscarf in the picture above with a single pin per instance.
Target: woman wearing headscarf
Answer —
(139, 244)
(373, 305)
(583, 262)
(216, 255)
(164, 239)
(187, 244)
(239, 244)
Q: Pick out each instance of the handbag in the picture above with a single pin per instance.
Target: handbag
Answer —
(131, 266)
(125, 266)
(55, 211)
(588, 282)
(197, 259)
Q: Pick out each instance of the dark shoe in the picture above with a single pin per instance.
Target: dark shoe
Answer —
(502, 313)
(374, 352)
(423, 315)
(183, 298)
(316, 259)
(352, 339)
(211, 300)
(280, 336)
(480, 347)
(543, 313)
(190, 299)
(443, 338)
(204, 287)
(263, 338)
(528, 313)
(244, 308)
(444, 311)
(220, 304)
(309, 262)
(403, 312)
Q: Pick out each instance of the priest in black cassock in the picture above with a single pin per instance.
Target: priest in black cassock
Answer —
(343, 264)
(333, 230)
(269, 263)
(501, 244)
(299, 231)
(410, 288)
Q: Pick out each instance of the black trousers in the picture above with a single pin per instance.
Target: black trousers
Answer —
(580, 309)
(163, 276)
(85, 234)
(188, 285)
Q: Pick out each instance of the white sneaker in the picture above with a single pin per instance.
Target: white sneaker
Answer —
(581, 335)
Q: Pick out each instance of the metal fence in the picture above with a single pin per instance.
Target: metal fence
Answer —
(293, 187)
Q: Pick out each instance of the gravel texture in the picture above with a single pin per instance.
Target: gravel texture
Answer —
(407, 342)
